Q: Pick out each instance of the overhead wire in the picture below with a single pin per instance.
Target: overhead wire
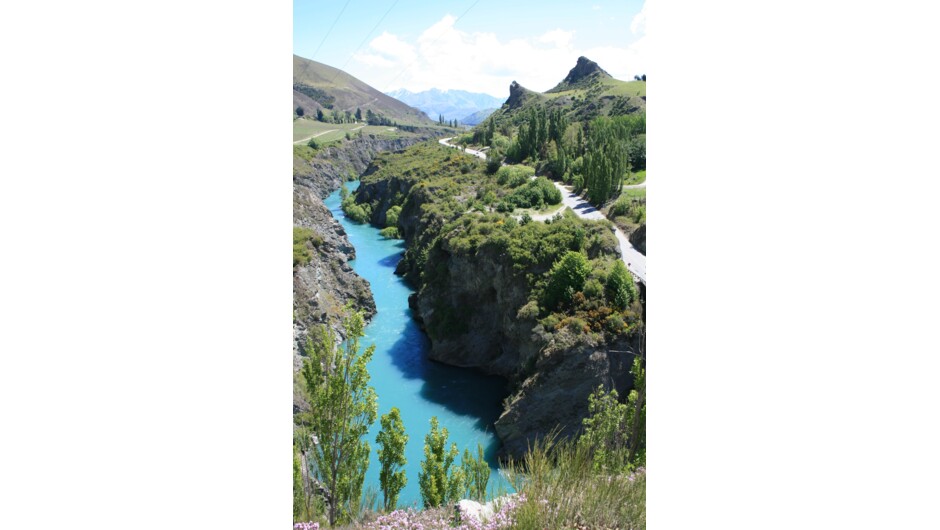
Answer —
(364, 40)
(330, 30)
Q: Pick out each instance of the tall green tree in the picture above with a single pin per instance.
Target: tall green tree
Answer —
(358, 114)
(636, 415)
(391, 441)
(320, 116)
(566, 278)
(343, 408)
(605, 431)
(620, 289)
(440, 480)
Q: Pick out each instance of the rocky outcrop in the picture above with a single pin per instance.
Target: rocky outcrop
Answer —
(518, 95)
(554, 398)
(638, 239)
(327, 283)
(473, 320)
(582, 69)
(585, 73)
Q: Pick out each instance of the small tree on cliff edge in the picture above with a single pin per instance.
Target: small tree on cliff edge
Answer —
(391, 440)
(344, 407)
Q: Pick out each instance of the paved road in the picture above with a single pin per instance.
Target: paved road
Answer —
(632, 258)
(474, 152)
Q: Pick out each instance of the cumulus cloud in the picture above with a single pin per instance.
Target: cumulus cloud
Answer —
(445, 57)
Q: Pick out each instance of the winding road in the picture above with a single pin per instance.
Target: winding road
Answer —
(632, 258)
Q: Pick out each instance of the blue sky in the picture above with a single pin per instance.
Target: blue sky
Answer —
(476, 45)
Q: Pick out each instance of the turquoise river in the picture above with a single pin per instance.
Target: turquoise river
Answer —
(465, 402)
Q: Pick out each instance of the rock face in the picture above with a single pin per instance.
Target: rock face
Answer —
(555, 396)
(481, 327)
(584, 68)
(638, 239)
(518, 95)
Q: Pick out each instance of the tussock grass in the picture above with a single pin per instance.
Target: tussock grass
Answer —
(563, 491)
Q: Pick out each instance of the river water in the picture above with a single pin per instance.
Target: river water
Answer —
(465, 402)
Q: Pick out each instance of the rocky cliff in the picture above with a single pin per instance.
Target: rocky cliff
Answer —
(638, 239)
(474, 318)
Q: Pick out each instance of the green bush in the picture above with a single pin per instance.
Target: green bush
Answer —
(391, 216)
(593, 289)
(514, 175)
(389, 232)
(304, 239)
(528, 311)
(566, 278)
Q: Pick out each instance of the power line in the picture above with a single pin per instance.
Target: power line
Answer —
(330, 30)
(364, 40)
(388, 85)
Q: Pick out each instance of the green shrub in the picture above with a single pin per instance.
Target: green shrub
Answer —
(391, 216)
(514, 175)
(528, 311)
(593, 289)
(304, 239)
(389, 232)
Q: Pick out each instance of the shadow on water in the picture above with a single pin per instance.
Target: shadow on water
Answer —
(392, 259)
(463, 391)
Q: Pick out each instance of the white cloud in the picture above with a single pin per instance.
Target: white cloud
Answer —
(559, 37)
(596, 7)
(638, 26)
(445, 57)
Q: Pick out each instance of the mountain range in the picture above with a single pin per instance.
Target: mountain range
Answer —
(469, 108)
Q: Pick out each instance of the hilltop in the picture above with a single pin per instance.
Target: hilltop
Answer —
(318, 86)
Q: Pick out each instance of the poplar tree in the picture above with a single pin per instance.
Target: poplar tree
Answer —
(439, 483)
(391, 441)
(343, 408)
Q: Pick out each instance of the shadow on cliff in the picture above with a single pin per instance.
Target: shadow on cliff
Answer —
(463, 391)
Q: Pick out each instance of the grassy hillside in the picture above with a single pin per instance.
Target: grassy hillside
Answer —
(586, 93)
(318, 86)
